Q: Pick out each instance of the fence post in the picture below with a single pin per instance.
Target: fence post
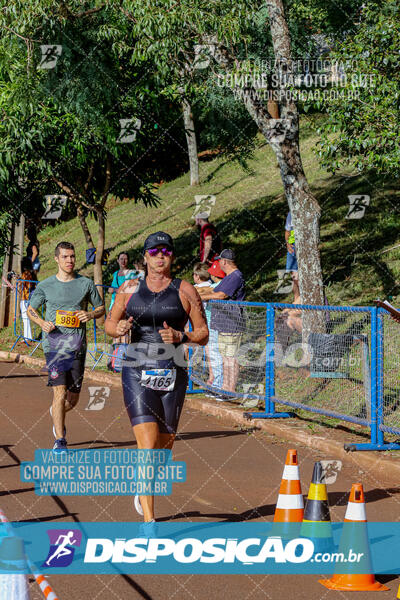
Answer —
(269, 360)
(379, 377)
(374, 373)
(269, 412)
(190, 387)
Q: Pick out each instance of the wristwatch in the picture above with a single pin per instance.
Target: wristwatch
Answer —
(184, 339)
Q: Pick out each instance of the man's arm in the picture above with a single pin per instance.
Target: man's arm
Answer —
(96, 301)
(46, 326)
(97, 312)
(38, 298)
(207, 247)
(211, 295)
(85, 315)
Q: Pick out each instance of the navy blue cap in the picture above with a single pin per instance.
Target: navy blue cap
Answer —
(227, 253)
(156, 239)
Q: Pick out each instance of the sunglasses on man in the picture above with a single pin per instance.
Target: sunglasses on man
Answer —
(164, 251)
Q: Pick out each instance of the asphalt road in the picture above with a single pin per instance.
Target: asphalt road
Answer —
(231, 475)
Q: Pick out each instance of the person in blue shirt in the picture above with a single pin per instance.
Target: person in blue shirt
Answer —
(227, 318)
(119, 276)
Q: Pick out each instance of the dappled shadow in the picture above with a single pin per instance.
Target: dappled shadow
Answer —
(264, 510)
(209, 434)
(17, 491)
(255, 230)
(21, 376)
(103, 444)
(341, 498)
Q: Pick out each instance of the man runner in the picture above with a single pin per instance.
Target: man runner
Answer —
(66, 296)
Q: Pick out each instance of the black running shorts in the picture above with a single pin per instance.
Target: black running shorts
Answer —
(70, 374)
(145, 405)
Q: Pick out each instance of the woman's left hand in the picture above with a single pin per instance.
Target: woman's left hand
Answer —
(169, 335)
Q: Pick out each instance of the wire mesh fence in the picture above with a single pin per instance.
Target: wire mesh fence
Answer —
(338, 361)
(389, 383)
(24, 329)
(100, 347)
(234, 360)
(329, 368)
(272, 357)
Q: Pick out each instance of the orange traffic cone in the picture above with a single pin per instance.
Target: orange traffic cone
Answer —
(290, 506)
(352, 536)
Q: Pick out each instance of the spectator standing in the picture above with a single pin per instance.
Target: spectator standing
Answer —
(32, 250)
(291, 259)
(210, 241)
(227, 318)
(25, 290)
(119, 276)
(139, 268)
(216, 377)
(202, 281)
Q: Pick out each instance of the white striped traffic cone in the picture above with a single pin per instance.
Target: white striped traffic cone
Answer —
(13, 586)
(290, 505)
(42, 582)
(355, 539)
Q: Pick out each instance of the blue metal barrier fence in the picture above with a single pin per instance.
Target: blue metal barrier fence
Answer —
(349, 369)
(343, 376)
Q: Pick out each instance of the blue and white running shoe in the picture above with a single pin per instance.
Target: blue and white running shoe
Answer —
(60, 446)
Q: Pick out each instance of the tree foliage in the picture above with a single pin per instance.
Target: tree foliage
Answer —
(364, 130)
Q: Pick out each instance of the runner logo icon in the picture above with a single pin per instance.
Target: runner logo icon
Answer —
(61, 551)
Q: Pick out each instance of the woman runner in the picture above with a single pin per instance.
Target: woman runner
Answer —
(156, 313)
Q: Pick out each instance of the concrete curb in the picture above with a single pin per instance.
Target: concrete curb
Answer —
(380, 467)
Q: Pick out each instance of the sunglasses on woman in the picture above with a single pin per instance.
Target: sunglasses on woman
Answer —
(164, 251)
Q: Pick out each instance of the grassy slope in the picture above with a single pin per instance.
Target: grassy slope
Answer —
(250, 212)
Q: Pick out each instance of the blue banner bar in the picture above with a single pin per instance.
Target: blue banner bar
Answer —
(201, 548)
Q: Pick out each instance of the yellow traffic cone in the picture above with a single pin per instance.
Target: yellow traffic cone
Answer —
(317, 521)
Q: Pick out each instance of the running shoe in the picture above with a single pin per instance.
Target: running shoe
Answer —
(60, 446)
(54, 431)
(138, 506)
(148, 529)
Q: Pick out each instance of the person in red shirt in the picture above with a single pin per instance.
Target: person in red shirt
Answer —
(210, 242)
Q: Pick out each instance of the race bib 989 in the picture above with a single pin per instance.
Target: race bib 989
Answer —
(67, 318)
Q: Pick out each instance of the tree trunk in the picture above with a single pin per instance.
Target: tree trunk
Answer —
(303, 205)
(283, 136)
(98, 270)
(191, 141)
(85, 228)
